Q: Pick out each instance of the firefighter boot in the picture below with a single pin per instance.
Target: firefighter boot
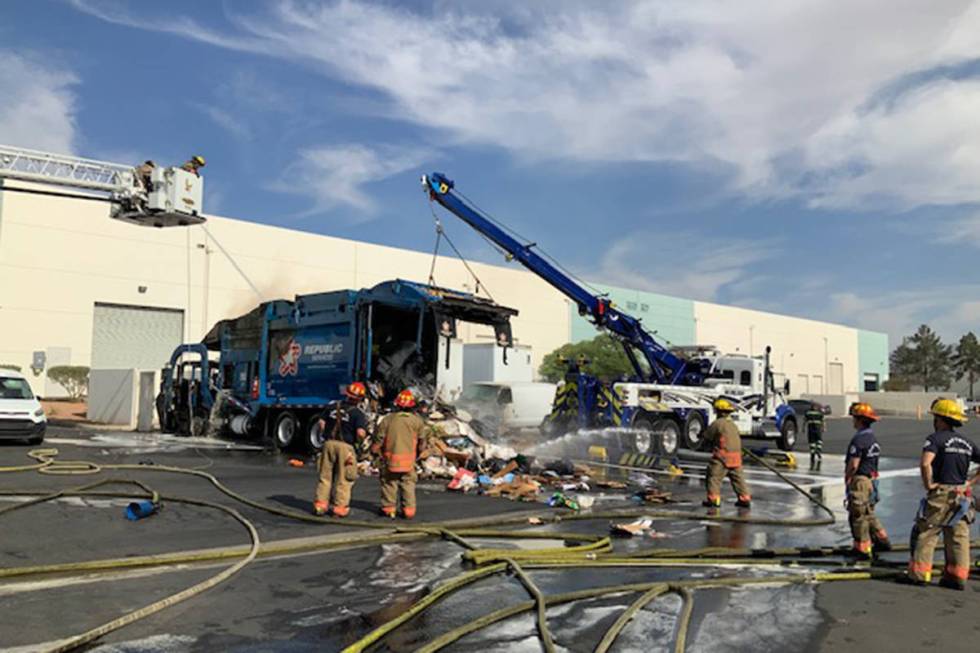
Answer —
(409, 512)
(388, 511)
(712, 502)
(320, 508)
(744, 502)
(341, 511)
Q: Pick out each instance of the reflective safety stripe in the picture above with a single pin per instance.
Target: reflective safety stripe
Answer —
(744, 497)
(864, 546)
(730, 459)
(388, 510)
(961, 573)
(409, 512)
(920, 567)
(400, 462)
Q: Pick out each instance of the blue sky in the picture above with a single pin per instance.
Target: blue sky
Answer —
(799, 157)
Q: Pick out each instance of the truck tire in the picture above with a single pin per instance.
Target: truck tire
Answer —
(642, 439)
(313, 442)
(668, 436)
(693, 435)
(788, 431)
(284, 430)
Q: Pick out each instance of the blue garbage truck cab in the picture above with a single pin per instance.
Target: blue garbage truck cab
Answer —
(281, 363)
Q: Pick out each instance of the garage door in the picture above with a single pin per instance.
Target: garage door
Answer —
(140, 337)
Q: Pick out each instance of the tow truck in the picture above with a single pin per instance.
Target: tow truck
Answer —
(667, 402)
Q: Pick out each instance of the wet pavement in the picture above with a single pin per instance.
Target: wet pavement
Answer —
(323, 601)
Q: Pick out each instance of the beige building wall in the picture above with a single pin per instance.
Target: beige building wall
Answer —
(59, 256)
(816, 357)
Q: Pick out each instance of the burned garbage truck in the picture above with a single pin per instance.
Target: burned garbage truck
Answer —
(270, 372)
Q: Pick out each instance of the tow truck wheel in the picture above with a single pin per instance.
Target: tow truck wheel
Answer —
(643, 439)
(668, 435)
(787, 439)
(314, 439)
(285, 429)
(694, 431)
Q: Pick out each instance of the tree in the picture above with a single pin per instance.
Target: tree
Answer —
(966, 360)
(8, 366)
(923, 360)
(73, 378)
(607, 360)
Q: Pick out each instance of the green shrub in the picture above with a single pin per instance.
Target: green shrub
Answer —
(8, 366)
(73, 378)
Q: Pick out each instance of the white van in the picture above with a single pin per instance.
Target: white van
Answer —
(511, 405)
(21, 415)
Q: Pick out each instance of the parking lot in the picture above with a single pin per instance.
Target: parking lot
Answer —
(332, 583)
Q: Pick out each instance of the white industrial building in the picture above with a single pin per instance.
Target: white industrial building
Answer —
(88, 290)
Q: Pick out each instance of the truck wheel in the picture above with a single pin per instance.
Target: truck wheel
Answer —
(668, 436)
(787, 439)
(314, 439)
(693, 431)
(643, 439)
(284, 431)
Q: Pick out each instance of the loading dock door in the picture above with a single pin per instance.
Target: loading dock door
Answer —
(835, 382)
(140, 337)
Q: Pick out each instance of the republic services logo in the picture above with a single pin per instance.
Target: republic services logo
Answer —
(289, 359)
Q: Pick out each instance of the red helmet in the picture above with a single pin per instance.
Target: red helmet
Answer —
(356, 390)
(405, 399)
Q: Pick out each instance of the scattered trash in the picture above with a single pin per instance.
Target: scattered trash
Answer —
(584, 501)
(463, 480)
(296, 462)
(611, 485)
(657, 535)
(559, 500)
(631, 528)
(535, 521)
(653, 496)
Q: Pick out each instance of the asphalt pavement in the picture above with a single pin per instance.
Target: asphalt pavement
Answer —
(324, 600)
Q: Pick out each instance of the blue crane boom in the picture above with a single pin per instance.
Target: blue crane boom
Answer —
(664, 365)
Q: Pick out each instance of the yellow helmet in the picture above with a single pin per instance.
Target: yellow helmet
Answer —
(198, 159)
(722, 405)
(948, 409)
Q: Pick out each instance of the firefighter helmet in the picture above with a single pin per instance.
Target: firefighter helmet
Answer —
(405, 399)
(356, 390)
(722, 405)
(948, 409)
(864, 411)
(198, 159)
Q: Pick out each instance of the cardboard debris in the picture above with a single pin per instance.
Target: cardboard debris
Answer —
(653, 496)
(535, 521)
(631, 528)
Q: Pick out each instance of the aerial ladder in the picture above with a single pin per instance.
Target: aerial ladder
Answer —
(153, 197)
(668, 400)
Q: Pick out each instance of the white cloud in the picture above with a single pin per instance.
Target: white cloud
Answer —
(38, 104)
(951, 310)
(226, 120)
(334, 176)
(779, 93)
(964, 230)
(692, 266)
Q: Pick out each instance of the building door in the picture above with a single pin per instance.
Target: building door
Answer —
(140, 337)
(816, 384)
(147, 401)
(802, 385)
(835, 382)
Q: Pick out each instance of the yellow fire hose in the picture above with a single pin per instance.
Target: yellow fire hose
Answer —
(591, 551)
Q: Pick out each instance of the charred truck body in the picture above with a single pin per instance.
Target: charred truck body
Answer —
(271, 371)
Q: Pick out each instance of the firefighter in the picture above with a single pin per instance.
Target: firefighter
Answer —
(861, 481)
(194, 164)
(398, 443)
(814, 436)
(948, 504)
(143, 172)
(726, 457)
(342, 425)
